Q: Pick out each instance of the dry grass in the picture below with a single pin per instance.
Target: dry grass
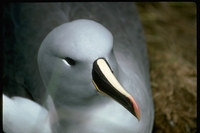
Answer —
(170, 30)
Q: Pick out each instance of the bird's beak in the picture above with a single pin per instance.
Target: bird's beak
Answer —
(106, 83)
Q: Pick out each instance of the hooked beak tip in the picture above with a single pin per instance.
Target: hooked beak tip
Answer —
(136, 110)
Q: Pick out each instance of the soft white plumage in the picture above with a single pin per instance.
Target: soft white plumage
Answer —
(21, 115)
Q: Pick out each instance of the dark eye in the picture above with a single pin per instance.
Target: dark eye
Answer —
(70, 61)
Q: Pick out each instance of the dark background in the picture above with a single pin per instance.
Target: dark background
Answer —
(170, 30)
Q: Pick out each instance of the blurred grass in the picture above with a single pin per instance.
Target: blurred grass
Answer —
(170, 30)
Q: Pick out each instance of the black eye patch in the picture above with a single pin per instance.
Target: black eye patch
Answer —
(70, 61)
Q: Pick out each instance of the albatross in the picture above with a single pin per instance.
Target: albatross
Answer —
(92, 74)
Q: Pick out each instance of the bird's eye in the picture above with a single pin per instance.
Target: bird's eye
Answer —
(69, 61)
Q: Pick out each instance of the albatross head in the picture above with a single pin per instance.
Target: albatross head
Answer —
(76, 61)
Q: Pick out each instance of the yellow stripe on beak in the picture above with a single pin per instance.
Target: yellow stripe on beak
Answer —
(106, 83)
